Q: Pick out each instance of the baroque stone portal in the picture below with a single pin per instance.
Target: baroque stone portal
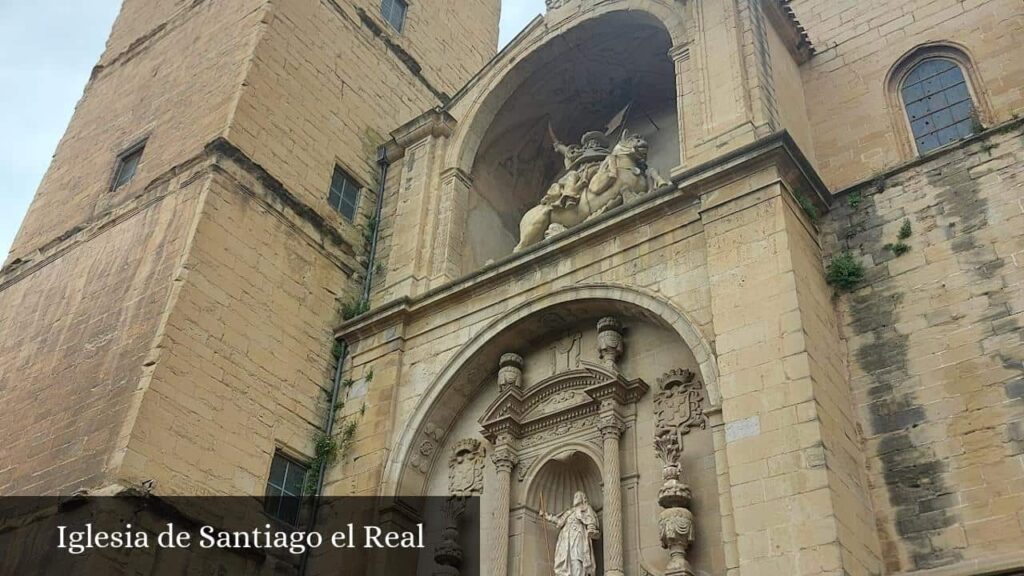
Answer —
(595, 181)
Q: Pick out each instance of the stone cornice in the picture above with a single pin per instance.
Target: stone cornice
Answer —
(515, 412)
(777, 150)
(435, 122)
(219, 156)
(789, 27)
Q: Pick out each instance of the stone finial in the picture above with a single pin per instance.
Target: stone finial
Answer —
(609, 342)
(448, 553)
(510, 371)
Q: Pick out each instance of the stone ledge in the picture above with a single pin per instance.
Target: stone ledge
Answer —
(1006, 564)
(277, 200)
(936, 154)
(777, 150)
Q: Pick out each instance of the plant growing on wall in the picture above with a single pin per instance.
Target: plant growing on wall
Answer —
(807, 206)
(899, 248)
(354, 308)
(844, 272)
(329, 448)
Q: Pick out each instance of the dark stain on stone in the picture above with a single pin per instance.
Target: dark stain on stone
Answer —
(914, 476)
(1015, 437)
(330, 235)
(1014, 388)
(403, 56)
(960, 198)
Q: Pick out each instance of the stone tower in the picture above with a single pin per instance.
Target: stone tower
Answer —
(175, 282)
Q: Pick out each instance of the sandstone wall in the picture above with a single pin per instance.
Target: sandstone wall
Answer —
(935, 352)
(77, 333)
(330, 80)
(858, 42)
(175, 87)
(244, 365)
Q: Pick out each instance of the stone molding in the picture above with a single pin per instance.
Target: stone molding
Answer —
(778, 149)
(506, 414)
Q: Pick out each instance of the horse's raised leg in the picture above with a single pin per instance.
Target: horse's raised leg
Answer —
(532, 226)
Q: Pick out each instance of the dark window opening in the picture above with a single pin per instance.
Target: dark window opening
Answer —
(283, 499)
(127, 164)
(344, 193)
(394, 12)
(938, 104)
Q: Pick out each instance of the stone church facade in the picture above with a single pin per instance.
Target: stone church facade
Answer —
(769, 320)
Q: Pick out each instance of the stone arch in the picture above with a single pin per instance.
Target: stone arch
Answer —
(651, 305)
(577, 76)
(495, 86)
(906, 63)
(536, 477)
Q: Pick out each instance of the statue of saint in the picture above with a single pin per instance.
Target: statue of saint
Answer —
(574, 552)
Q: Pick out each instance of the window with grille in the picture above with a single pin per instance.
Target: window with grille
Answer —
(127, 164)
(394, 12)
(938, 104)
(344, 193)
(283, 498)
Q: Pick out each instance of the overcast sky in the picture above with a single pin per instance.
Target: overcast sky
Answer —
(47, 50)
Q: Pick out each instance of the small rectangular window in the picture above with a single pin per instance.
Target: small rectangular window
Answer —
(344, 193)
(283, 499)
(394, 12)
(127, 164)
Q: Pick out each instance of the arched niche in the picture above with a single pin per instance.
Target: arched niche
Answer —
(557, 337)
(577, 81)
(559, 476)
(552, 489)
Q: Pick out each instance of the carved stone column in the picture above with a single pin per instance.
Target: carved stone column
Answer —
(505, 459)
(611, 427)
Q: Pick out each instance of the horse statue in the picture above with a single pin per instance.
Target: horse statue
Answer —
(590, 189)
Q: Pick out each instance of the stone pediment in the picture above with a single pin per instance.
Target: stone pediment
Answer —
(566, 396)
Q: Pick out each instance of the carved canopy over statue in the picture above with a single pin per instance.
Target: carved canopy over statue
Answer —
(595, 180)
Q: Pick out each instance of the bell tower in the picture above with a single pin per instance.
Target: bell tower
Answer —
(168, 302)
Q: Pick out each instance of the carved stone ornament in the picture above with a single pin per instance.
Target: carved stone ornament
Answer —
(609, 342)
(524, 415)
(466, 468)
(448, 552)
(679, 408)
(551, 4)
(425, 448)
(595, 180)
(510, 371)
(679, 405)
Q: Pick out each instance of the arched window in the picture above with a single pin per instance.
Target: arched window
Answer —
(938, 103)
(935, 97)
